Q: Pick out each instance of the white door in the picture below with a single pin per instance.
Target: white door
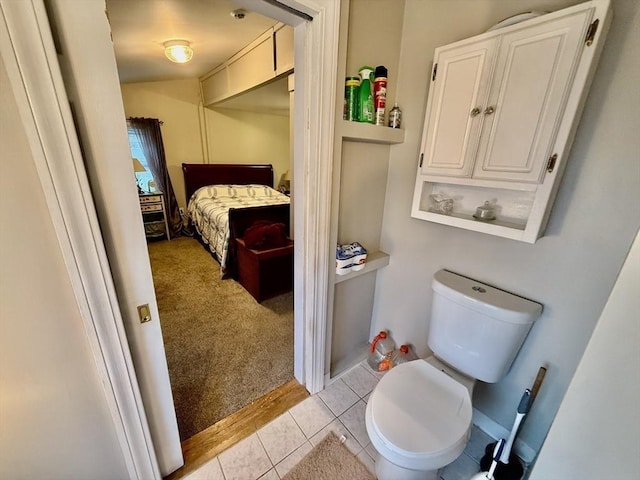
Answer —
(458, 93)
(92, 84)
(534, 73)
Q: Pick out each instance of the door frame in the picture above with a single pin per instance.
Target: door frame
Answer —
(27, 47)
(36, 83)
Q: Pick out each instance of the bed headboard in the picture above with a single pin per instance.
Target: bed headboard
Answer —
(198, 175)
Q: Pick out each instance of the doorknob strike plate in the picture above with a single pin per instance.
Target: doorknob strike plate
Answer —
(144, 313)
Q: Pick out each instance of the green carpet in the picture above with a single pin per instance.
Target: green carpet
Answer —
(224, 350)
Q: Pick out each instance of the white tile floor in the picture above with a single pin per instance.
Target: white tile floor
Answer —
(273, 450)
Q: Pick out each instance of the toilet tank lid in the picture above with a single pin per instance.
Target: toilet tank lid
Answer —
(485, 299)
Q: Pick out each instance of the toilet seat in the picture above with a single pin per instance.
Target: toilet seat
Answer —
(418, 417)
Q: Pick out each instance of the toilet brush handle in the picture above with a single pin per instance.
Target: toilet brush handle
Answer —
(506, 451)
(523, 408)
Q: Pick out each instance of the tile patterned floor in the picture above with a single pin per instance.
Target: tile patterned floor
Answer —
(273, 450)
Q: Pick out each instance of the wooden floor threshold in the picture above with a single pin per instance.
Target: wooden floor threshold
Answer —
(209, 443)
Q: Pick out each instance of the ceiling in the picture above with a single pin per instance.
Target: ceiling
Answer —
(140, 27)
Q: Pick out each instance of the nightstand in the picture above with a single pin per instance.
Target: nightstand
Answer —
(154, 215)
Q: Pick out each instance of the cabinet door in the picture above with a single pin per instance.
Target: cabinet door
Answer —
(284, 49)
(215, 87)
(457, 95)
(253, 68)
(533, 78)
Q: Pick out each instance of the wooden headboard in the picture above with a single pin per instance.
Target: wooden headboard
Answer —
(198, 175)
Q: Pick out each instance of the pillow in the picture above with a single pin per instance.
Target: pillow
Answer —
(263, 234)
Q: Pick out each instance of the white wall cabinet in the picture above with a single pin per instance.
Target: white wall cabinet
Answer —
(501, 113)
(460, 84)
(263, 60)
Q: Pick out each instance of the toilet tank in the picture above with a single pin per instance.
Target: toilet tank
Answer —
(476, 328)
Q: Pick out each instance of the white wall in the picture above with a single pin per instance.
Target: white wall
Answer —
(572, 269)
(54, 420)
(175, 102)
(596, 433)
(236, 136)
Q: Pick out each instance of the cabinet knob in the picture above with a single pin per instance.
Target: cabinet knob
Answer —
(489, 110)
(475, 111)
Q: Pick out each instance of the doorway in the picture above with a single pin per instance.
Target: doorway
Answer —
(223, 349)
(86, 58)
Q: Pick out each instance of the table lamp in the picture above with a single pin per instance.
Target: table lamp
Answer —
(285, 183)
(138, 168)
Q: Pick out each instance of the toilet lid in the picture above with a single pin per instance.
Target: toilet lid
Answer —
(418, 410)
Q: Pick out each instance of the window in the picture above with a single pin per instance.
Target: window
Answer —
(137, 152)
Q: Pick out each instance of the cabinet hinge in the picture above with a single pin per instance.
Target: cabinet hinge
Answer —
(552, 162)
(591, 32)
(435, 70)
(421, 159)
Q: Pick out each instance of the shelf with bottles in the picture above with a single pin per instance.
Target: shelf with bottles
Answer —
(367, 132)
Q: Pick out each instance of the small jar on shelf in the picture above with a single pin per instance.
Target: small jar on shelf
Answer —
(395, 116)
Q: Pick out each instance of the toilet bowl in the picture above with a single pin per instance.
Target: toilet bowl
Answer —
(430, 424)
(419, 415)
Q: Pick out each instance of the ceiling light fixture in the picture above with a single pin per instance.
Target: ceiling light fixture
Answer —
(178, 51)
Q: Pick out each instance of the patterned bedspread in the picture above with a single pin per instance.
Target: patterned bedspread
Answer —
(209, 210)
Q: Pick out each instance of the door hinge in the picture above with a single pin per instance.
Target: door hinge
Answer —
(552, 162)
(591, 32)
(435, 70)
(421, 159)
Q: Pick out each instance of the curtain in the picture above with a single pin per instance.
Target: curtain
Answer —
(150, 137)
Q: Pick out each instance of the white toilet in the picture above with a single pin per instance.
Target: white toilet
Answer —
(419, 415)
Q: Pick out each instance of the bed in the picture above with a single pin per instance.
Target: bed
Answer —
(223, 200)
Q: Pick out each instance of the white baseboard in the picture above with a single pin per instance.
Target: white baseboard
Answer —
(495, 430)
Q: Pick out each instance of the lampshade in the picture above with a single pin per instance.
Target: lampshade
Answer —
(137, 166)
(178, 51)
(285, 182)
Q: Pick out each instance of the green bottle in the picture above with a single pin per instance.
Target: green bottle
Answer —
(365, 96)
